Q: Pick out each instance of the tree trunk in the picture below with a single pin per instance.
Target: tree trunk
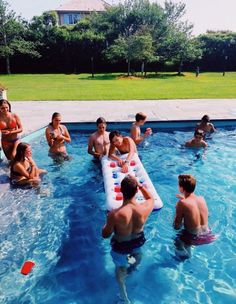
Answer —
(92, 67)
(8, 65)
(142, 68)
(128, 67)
(180, 67)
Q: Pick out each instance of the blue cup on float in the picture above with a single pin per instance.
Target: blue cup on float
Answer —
(142, 180)
(114, 175)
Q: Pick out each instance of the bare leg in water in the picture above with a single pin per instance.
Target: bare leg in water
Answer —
(121, 273)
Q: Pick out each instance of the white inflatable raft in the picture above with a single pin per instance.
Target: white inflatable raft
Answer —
(112, 177)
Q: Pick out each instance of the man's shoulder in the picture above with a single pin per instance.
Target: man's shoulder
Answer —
(93, 135)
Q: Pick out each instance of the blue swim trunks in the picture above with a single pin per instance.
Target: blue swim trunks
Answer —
(125, 260)
(123, 252)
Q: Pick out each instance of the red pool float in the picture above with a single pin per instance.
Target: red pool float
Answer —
(27, 266)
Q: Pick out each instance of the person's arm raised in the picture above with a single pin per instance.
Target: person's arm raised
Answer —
(149, 200)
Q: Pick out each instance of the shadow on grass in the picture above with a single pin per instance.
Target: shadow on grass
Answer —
(163, 75)
(136, 75)
(101, 77)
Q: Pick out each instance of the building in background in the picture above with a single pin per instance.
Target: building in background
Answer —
(72, 11)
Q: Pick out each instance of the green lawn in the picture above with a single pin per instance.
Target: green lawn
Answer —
(111, 86)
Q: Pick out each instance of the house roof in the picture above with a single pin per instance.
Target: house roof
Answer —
(83, 6)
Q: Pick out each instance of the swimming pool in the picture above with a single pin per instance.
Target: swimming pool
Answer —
(61, 232)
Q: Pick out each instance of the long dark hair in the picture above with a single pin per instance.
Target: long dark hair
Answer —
(20, 153)
(3, 101)
(54, 115)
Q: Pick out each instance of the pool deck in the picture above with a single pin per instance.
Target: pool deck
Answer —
(37, 114)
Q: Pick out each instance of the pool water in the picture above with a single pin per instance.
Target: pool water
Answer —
(60, 229)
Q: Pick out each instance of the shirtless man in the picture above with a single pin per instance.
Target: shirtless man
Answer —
(126, 224)
(192, 212)
(98, 144)
(135, 131)
(205, 125)
(123, 145)
(197, 141)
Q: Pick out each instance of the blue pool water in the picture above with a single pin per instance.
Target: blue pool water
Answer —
(61, 232)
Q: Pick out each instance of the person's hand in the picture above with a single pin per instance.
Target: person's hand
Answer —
(6, 132)
(59, 137)
(124, 168)
(180, 196)
(120, 162)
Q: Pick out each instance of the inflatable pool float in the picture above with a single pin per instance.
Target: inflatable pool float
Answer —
(113, 176)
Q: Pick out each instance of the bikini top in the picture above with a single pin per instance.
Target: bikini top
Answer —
(12, 124)
(13, 172)
(52, 130)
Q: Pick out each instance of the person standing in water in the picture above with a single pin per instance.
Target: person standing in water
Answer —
(140, 119)
(98, 144)
(126, 224)
(192, 214)
(56, 135)
(11, 127)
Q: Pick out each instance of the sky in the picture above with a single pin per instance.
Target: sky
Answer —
(204, 14)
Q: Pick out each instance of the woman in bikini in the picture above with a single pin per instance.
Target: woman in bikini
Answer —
(23, 168)
(11, 127)
(56, 135)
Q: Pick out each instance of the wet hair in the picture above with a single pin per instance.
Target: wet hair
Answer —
(20, 153)
(101, 120)
(113, 134)
(4, 101)
(199, 132)
(54, 115)
(129, 187)
(140, 116)
(205, 118)
(187, 182)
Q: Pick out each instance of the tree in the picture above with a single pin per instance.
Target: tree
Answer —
(219, 49)
(136, 47)
(12, 40)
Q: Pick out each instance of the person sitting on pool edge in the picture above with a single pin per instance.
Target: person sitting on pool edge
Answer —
(98, 144)
(24, 171)
(192, 213)
(126, 224)
(140, 119)
(197, 141)
(205, 125)
(56, 135)
(123, 145)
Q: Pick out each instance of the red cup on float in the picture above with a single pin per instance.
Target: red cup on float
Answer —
(119, 197)
(117, 188)
(27, 266)
(112, 165)
(132, 163)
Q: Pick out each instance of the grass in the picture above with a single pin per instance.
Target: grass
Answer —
(116, 86)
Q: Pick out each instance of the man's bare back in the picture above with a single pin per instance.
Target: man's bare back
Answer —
(194, 213)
